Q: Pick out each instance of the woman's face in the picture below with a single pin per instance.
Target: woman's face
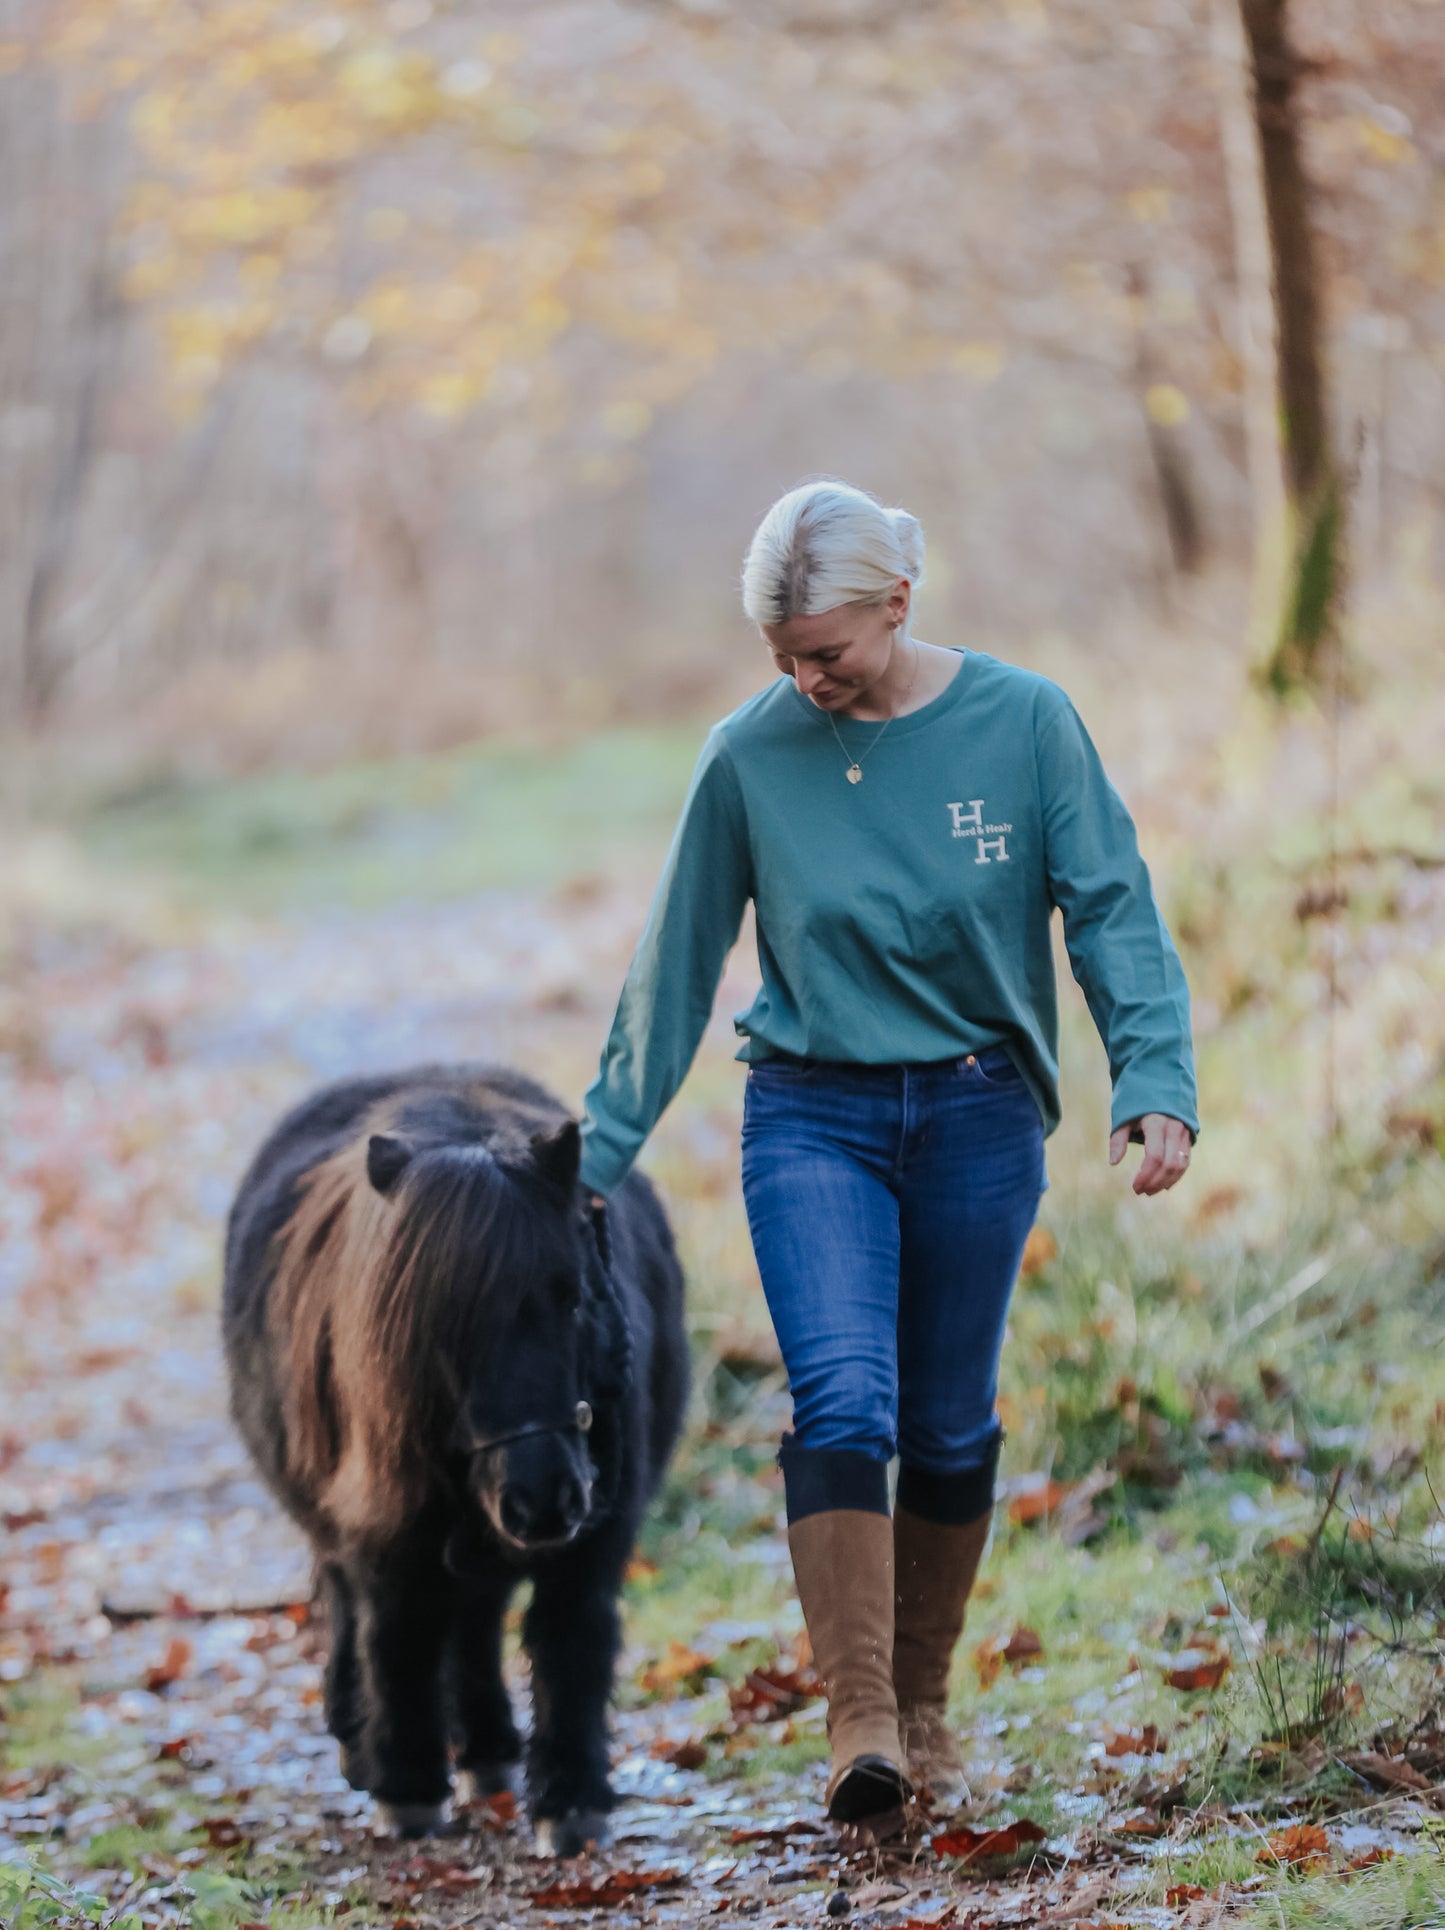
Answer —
(837, 655)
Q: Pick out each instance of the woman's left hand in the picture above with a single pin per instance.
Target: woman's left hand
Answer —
(1166, 1150)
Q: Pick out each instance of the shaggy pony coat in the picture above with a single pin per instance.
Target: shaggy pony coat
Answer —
(456, 1372)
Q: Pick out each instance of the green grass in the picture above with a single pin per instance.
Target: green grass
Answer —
(437, 826)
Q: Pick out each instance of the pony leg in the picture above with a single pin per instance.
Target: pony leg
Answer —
(572, 1633)
(486, 1735)
(404, 1614)
(342, 1690)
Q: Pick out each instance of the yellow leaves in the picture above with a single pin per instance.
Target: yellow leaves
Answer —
(244, 219)
(398, 89)
(644, 178)
(146, 279)
(153, 119)
(450, 393)
(1167, 406)
(546, 314)
(1385, 145)
(983, 361)
(201, 339)
(1148, 204)
(386, 224)
(627, 419)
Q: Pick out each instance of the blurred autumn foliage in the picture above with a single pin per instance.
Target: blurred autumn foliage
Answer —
(479, 338)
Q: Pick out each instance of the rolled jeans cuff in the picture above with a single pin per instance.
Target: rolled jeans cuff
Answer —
(952, 1500)
(817, 1479)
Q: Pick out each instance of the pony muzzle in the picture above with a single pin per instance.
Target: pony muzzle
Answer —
(535, 1496)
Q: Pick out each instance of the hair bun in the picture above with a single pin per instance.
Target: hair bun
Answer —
(909, 532)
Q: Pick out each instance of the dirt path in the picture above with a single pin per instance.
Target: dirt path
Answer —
(144, 1563)
(153, 1619)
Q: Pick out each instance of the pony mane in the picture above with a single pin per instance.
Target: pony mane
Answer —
(374, 1294)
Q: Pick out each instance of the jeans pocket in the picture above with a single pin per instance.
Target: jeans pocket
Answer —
(786, 1072)
(995, 1068)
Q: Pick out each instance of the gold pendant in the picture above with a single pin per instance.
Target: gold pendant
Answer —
(855, 773)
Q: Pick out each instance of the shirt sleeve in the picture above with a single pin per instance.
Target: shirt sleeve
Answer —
(1120, 950)
(667, 996)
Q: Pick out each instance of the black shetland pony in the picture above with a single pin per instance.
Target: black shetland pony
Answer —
(457, 1373)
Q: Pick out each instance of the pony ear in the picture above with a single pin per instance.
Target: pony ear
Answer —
(386, 1160)
(559, 1154)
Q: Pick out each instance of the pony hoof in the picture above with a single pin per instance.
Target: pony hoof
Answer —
(572, 1834)
(485, 1779)
(411, 1819)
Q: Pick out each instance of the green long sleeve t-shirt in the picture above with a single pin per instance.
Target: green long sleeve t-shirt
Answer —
(906, 917)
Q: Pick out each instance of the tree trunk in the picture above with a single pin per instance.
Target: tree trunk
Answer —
(1298, 502)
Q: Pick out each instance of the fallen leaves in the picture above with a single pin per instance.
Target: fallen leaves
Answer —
(974, 1845)
(1135, 1742)
(682, 1671)
(1302, 1846)
(1031, 1505)
(223, 1832)
(172, 1666)
(1387, 1772)
(618, 1886)
(688, 1754)
(773, 1694)
(1023, 1646)
(1207, 1672)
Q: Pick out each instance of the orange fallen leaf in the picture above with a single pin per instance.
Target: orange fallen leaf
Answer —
(1035, 1504)
(687, 1754)
(768, 1695)
(1303, 1845)
(773, 1832)
(1022, 1646)
(1199, 1675)
(1142, 1822)
(1386, 1772)
(1135, 1742)
(616, 1887)
(1184, 1893)
(972, 1843)
(501, 1805)
(1039, 1248)
(177, 1659)
(681, 1668)
(1370, 1858)
(989, 1657)
(222, 1832)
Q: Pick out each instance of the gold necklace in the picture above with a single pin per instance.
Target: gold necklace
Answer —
(854, 772)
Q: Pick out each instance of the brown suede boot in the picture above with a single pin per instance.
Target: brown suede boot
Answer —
(934, 1567)
(843, 1564)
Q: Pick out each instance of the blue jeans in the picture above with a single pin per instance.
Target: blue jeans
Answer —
(889, 1206)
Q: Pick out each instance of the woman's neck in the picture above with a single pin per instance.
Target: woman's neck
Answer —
(916, 674)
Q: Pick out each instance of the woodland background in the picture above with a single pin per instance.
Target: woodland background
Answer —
(387, 396)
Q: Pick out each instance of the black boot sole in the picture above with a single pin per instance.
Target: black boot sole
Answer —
(872, 1788)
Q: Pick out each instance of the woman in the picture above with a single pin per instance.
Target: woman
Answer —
(904, 818)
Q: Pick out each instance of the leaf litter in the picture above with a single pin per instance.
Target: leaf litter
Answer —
(151, 1584)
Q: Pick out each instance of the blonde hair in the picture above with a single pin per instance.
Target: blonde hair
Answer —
(827, 543)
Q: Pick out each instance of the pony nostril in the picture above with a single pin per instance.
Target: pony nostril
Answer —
(516, 1517)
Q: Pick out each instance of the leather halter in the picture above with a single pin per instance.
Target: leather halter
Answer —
(580, 1423)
